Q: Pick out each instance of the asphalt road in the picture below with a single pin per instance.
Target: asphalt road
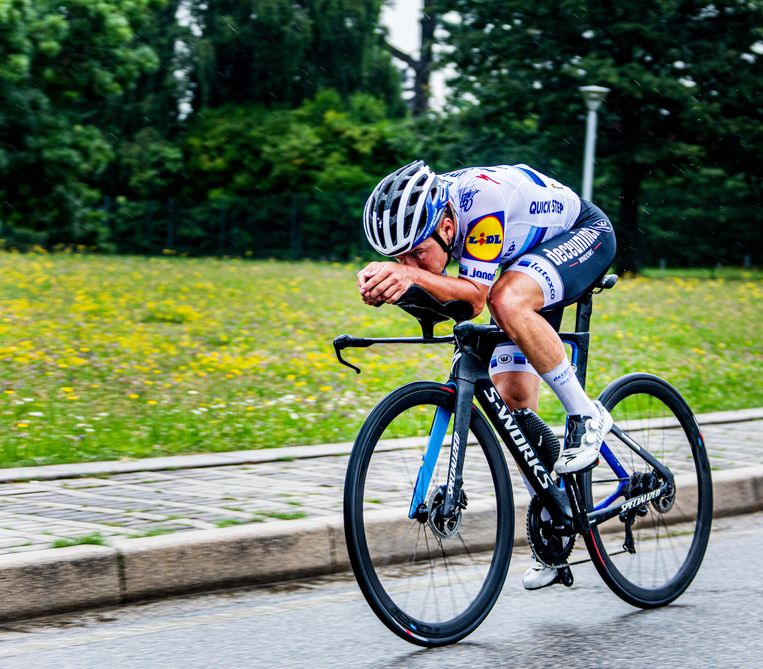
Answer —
(326, 623)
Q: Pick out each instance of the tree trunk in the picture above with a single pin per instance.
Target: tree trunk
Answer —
(422, 67)
(628, 246)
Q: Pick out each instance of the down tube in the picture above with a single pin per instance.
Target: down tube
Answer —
(429, 459)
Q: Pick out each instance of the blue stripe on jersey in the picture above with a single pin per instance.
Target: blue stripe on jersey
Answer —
(533, 238)
(534, 177)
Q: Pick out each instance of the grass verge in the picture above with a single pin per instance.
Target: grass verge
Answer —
(119, 357)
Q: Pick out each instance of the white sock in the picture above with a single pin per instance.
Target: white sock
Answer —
(562, 380)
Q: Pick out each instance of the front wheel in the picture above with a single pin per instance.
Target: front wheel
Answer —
(429, 579)
(648, 555)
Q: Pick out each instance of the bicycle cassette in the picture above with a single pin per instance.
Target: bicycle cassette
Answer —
(549, 548)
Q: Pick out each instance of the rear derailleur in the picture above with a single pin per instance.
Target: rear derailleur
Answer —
(641, 483)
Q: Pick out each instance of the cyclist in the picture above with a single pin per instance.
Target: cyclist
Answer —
(527, 246)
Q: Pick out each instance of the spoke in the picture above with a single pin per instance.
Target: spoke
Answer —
(431, 586)
(450, 584)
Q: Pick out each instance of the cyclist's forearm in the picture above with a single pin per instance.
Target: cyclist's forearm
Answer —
(446, 288)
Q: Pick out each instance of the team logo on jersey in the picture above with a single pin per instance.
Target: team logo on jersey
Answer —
(467, 199)
(546, 207)
(606, 226)
(484, 239)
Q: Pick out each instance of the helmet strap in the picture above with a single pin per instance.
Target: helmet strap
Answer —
(448, 248)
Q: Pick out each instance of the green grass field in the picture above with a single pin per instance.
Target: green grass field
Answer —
(114, 357)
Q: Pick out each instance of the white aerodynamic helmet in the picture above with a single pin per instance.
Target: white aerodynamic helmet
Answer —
(404, 209)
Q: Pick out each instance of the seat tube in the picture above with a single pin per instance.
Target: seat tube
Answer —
(461, 421)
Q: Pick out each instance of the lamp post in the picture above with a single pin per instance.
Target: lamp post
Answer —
(593, 96)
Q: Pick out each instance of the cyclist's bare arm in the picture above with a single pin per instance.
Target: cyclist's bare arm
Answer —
(387, 282)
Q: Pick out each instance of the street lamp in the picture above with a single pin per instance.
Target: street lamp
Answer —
(593, 96)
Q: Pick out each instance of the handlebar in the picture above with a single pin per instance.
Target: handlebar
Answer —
(429, 311)
(347, 341)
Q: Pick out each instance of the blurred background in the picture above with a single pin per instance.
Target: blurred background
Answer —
(181, 184)
(256, 128)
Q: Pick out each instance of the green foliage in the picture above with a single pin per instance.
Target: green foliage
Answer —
(284, 51)
(683, 83)
(233, 127)
(110, 357)
(296, 177)
(101, 146)
(61, 64)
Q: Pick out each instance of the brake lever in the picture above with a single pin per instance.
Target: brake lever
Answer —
(342, 342)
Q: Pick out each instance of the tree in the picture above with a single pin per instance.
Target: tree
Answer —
(683, 76)
(281, 52)
(291, 181)
(423, 65)
(60, 65)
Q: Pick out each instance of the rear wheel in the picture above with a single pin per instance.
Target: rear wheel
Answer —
(656, 560)
(431, 580)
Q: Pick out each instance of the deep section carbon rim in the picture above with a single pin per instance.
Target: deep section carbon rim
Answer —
(669, 534)
(430, 582)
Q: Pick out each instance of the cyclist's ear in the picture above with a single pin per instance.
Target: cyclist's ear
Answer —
(447, 225)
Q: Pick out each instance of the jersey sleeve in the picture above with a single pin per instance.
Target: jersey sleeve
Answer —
(484, 235)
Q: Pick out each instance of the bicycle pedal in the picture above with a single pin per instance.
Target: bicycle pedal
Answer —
(565, 576)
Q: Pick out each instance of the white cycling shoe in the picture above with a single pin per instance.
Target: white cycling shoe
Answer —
(584, 437)
(539, 575)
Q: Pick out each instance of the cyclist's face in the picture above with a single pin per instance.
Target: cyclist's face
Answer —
(429, 255)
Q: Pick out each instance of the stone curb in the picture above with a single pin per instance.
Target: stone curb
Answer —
(111, 467)
(64, 579)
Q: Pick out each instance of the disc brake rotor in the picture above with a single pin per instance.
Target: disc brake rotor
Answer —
(443, 528)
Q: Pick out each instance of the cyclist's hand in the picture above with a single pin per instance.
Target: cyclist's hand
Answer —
(363, 277)
(384, 282)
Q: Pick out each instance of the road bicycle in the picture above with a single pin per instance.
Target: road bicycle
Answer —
(430, 530)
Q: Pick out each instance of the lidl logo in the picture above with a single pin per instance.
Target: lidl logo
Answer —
(484, 241)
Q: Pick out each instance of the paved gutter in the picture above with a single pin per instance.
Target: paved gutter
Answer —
(38, 582)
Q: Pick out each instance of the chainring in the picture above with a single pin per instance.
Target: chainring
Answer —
(548, 547)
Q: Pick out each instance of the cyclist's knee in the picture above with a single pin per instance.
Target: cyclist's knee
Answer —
(507, 299)
(518, 390)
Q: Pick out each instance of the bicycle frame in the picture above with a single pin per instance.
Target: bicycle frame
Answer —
(470, 378)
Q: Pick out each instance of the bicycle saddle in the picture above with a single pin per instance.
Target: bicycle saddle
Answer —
(429, 311)
(607, 281)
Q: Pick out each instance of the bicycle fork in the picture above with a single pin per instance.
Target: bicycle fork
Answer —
(464, 391)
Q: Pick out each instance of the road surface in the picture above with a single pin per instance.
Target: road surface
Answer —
(326, 623)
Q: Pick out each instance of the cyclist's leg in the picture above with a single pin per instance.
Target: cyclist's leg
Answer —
(519, 386)
(556, 273)
(517, 389)
(513, 376)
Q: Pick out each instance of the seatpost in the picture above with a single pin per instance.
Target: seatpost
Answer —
(583, 313)
(582, 328)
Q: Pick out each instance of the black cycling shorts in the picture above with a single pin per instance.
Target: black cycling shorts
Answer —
(566, 266)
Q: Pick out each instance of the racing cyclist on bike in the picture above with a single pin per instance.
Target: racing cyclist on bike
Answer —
(527, 246)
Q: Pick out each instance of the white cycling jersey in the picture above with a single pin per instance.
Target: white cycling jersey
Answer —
(504, 211)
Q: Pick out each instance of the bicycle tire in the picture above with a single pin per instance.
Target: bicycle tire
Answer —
(659, 419)
(383, 573)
